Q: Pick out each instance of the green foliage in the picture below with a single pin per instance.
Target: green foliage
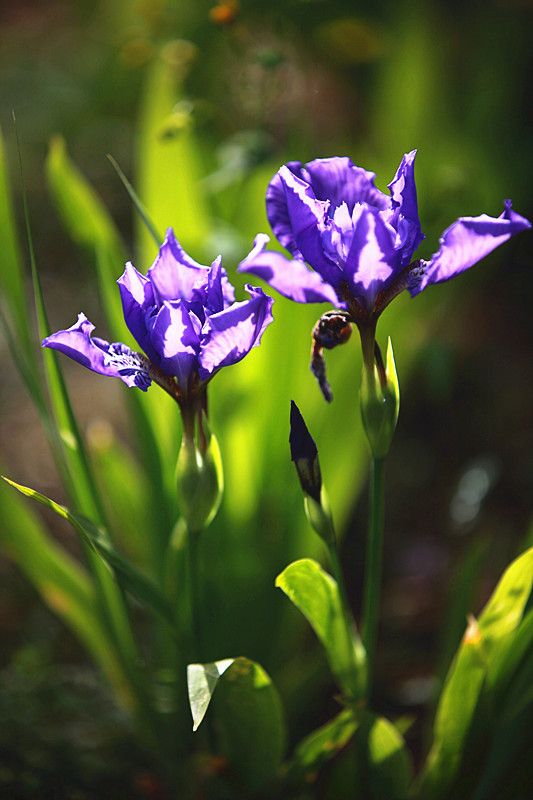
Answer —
(475, 703)
(66, 586)
(250, 719)
(128, 577)
(317, 596)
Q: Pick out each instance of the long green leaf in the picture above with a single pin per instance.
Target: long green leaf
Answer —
(479, 664)
(455, 712)
(317, 596)
(11, 271)
(64, 585)
(249, 716)
(142, 588)
(89, 225)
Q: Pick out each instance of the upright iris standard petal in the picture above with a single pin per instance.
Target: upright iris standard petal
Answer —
(174, 274)
(340, 181)
(372, 258)
(184, 317)
(308, 219)
(229, 335)
(115, 360)
(465, 243)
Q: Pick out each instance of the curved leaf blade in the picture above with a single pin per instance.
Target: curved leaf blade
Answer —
(317, 595)
(249, 716)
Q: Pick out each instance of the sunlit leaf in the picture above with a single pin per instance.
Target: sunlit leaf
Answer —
(251, 723)
(506, 606)
(248, 713)
(457, 705)
(390, 768)
(317, 596)
(201, 681)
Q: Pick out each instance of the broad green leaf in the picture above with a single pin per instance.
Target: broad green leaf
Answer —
(80, 209)
(322, 745)
(457, 705)
(389, 765)
(317, 596)
(251, 723)
(63, 583)
(140, 586)
(201, 682)
(248, 713)
(506, 606)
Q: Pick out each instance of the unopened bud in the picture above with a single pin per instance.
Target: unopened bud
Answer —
(304, 453)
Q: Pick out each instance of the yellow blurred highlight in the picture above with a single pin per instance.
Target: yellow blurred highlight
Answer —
(472, 634)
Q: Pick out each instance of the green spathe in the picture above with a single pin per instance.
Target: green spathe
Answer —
(200, 481)
(380, 405)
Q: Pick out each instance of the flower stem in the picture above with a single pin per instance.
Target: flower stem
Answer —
(193, 541)
(373, 566)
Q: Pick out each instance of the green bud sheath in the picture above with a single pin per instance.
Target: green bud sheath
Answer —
(319, 516)
(380, 405)
(200, 482)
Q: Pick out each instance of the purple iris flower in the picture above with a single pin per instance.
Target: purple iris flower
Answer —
(359, 241)
(183, 316)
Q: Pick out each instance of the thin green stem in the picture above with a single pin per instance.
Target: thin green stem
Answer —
(193, 542)
(373, 566)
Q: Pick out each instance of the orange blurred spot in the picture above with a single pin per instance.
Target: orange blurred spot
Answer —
(224, 13)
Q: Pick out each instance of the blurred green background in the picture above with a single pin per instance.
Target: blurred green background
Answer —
(200, 104)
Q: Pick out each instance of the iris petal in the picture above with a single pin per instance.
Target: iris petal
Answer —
(292, 279)
(465, 243)
(340, 181)
(229, 335)
(115, 360)
(308, 218)
(174, 274)
(175, 338)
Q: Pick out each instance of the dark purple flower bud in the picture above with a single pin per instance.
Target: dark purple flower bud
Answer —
(304, 454)
(305, 457)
